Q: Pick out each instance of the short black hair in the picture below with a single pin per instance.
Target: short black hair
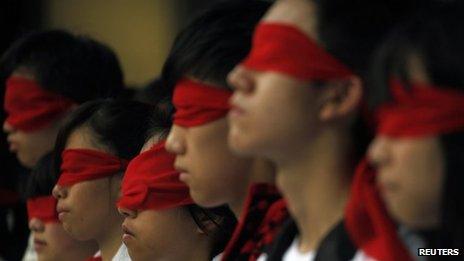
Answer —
(213, 43)
(120, 126)
(74, 66)
(40, 181)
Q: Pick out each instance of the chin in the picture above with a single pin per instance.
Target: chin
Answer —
(239, 145)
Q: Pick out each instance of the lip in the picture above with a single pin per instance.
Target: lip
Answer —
(39, 245)
(184, 176)
(62, 212)
(236, 111)
(13, 145)
(128, 234)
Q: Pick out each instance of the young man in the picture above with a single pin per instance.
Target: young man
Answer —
(298, 106)
(196, 69)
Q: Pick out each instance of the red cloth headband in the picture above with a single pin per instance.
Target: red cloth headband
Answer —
(30, 107)
(197, 103)
(368, 222)
(42, 208)
(82, 164)
(286, 49)
(421, 111)
(151, 182)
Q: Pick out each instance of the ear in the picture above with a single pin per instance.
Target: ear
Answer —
(340, 98)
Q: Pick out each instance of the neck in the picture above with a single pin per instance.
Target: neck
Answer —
(315, 182)
(261, 171)
(111, 239)
(82, 251)
(197, 248)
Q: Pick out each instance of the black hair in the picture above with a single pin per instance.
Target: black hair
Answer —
(351, 30)
(213, 43)
(224, 220)
(74, 66)
(433, 37)
(121, 127)
(41, 179)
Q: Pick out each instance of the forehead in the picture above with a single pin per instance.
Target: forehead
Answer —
(299, 13)
(81, 138)
(24, 72)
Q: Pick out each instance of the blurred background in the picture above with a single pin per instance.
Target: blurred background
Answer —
(139, 31)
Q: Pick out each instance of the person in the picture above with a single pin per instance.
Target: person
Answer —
(161, 221)
(298, 105)
(51, 242)
(412, 172)
(195, 72)
(46, 75)
(91, 153)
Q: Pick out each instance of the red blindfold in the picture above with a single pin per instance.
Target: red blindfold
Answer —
(151, 182)
(197, 103)
(42, 208)
(424, 110)
(82, 165)
(285, 49)
(30, 107)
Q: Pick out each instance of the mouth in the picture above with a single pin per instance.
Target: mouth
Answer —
(13, 146)
(62, 212)
(183, 173)
(39, 245)
(128, 234)
(236, 111)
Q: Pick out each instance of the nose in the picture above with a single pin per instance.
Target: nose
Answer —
(241, 79)
(175, 143)
(7, 128)
(59, 192)
(127, 213)
(378, 151)
(36, 225)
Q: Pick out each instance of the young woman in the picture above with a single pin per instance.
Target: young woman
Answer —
(161, 221)
(91, 154)
(51, 242)
(413, 173)
(46, 75)
(298, 106)
(196, 69)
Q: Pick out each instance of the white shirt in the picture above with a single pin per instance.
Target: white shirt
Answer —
(30, 254)
(293, 253)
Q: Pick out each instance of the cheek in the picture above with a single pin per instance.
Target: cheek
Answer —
(90, 204)
(57, 237)
(418, 175)
(158, 231)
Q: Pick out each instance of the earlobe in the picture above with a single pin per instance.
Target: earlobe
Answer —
(341, 98)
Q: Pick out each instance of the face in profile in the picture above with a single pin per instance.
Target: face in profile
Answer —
(275, 111)
(30, 146)
(51, 242)
(88, 207)
(213, 173)
(410, 178)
